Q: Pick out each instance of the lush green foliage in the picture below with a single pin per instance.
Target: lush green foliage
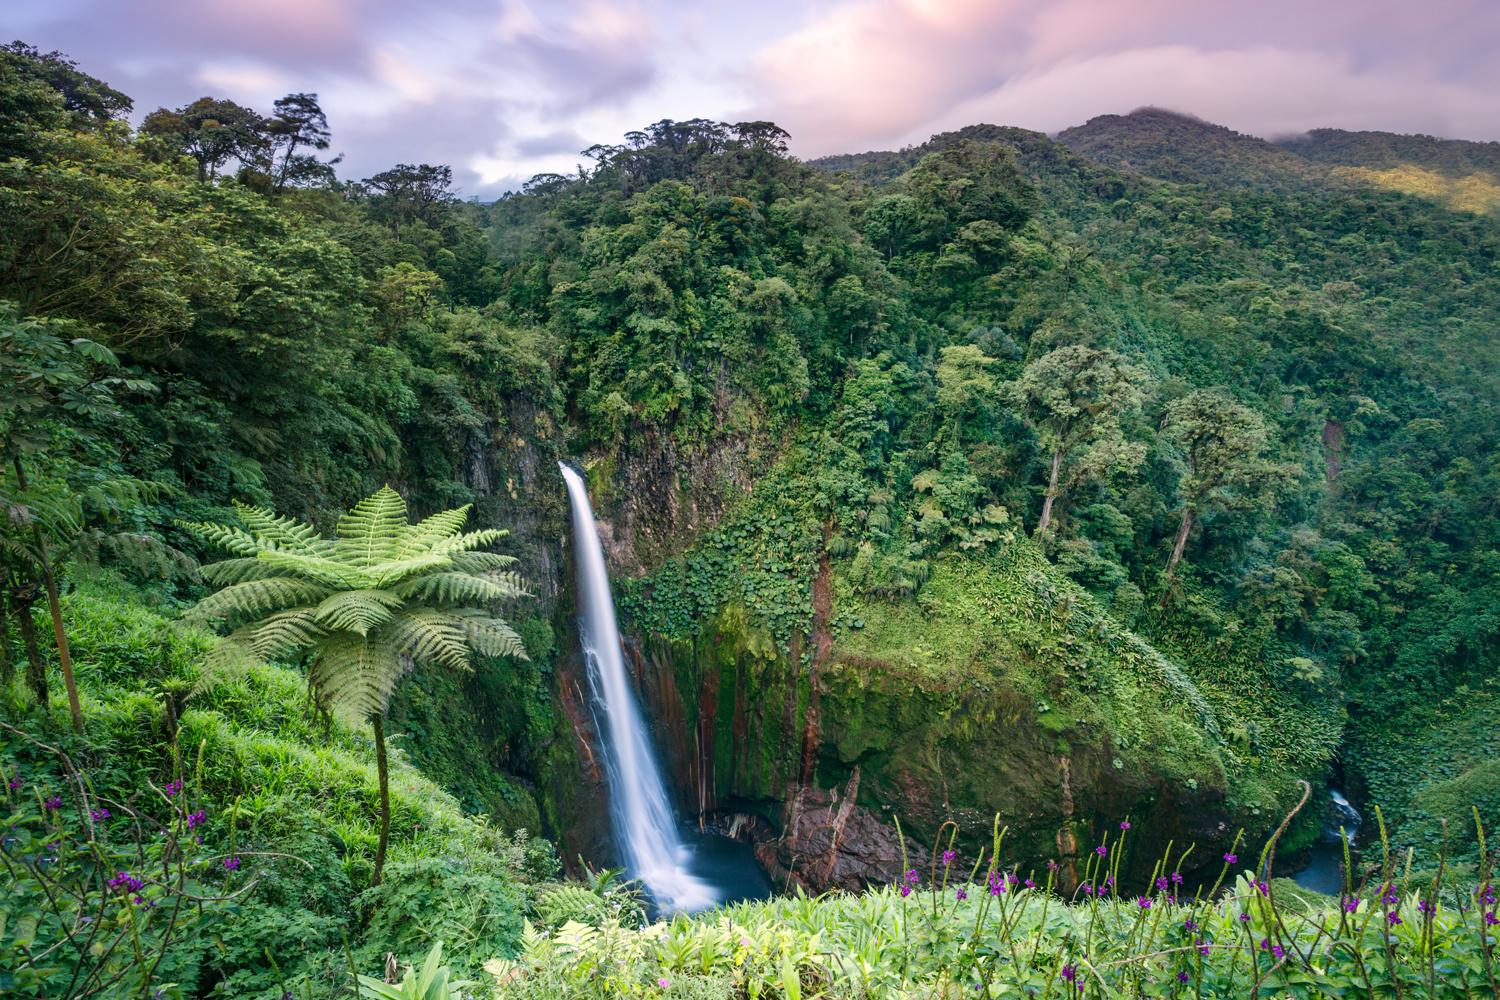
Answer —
(959, 927)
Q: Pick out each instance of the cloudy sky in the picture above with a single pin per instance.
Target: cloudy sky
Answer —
(504, 89)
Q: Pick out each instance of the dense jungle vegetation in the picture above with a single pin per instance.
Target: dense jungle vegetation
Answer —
(1152, 438)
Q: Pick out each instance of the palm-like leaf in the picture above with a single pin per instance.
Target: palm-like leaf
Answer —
(363, 607)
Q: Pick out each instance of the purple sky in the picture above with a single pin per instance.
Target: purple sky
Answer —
(503, 89)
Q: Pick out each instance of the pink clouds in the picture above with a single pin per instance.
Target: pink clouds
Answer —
(881, 72)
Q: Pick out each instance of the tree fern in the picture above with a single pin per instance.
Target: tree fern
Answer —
(361, 608)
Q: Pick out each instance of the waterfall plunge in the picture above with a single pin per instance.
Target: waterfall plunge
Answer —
(644, 826)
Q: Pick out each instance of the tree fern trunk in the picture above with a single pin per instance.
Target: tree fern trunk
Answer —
(378, 722)
(54, 607)
(36, 667)
(7, 665)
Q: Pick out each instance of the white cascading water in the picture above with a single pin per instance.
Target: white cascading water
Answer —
(645, 828)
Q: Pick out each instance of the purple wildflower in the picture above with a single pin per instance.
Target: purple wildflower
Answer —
(1244, 916)
(1177, 878)
(1109, 880)
(1487, 894)
(1190, 925)
(664, 982)
(1182, 977)
(1351, 904)
(960, 895)
(912, 877)
(1162, 883)
(1101, 850)
(1229, 858)
(1274, 949)
(1088, 890)
(1425, 905)
(1490, 918)
(172, 788)
(126, 881)
(1388, 894)
(1124, 824)
(99, 815)
(232, 864)
(14, 784)
(196, 818)
(949, 857)
(1144, 902)
(1203, 947)
(1393, 918)
(1262, 888)
(905, 891)
(1030, 883)
(53, 802)
(1070, 973)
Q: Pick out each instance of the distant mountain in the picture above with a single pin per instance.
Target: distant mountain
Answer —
(1465, 175)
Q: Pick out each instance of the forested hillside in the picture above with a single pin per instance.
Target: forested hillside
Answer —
(1142, 472)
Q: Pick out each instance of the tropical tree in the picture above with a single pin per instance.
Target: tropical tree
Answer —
(1076, 397)
(362, 607)
(47, 383)
(1221, 444)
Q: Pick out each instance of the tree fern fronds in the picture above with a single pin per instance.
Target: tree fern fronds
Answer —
(257, 597)
(224, 536)
(279, 532)
(230, 656)
(470, 540)
(238, 570)
(481, 562)
(388, 574)
(357, 674)
(420, 536)
(282, 636)
(430, 636)
(493, 637)
(357, 611)
(371, 531)
(460, 588)
(325, 569)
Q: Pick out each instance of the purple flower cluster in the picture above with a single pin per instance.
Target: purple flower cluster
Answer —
(1229, 858)
(232, 864)
(1124, 824)
(960, 894)
(1275, 949)
(172, 788)
(99, 815)
(54, 802)
(1144, 902)
(14, 784)
(1389, 895)
(1393, 918)
(1101, 850)
(949, 857)
(1070, 973)
(1490, 918)
(127, 882)
(1351, 904)
(195, 819)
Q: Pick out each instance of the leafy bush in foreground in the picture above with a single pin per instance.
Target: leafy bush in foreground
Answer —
(989, 931)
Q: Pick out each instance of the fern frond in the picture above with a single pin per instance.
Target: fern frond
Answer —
(458, 588)
(257, 597)
(357, 674)
(424, 534)
(388, 574)
(371, 532)
(238, 570)
(224, 536)
(493, 637)
(481, 562)
(469, 540)
(358, 611)
(282, 636)
(286, 533)
(328, 570)
(430, 636)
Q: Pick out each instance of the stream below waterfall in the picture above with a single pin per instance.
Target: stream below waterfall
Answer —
(1325, 866)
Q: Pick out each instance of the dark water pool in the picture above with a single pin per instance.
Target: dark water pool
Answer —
(726, 864)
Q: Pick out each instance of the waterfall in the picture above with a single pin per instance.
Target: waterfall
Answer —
(645, 829)
(1342, 815)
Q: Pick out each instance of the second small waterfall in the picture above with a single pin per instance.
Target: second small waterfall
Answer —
(644, 825)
